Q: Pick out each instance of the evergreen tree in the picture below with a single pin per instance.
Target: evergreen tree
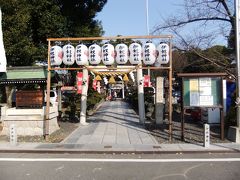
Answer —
(28, 23)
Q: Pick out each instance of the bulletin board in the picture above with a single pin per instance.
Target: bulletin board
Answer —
(202, 91)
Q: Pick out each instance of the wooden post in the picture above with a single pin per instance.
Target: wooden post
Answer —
(46, 120)
(182, 113)
(222, 123)
(47, 109)
(222, 112)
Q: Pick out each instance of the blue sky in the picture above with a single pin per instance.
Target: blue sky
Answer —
(128, 17)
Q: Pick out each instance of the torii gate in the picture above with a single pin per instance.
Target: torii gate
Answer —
(87, 68)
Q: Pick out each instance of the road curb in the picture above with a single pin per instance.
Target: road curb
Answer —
(77, 151)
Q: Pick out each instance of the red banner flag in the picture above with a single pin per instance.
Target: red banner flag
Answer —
(94, 85)
(147, 81)
(79, 82)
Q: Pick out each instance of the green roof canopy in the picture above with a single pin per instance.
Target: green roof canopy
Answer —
(24, 74)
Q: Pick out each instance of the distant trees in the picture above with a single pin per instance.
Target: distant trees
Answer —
(197, 27)
(28, 23)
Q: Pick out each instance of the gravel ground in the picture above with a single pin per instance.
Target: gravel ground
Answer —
(193, 131)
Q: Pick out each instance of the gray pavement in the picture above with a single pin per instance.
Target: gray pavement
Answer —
(115, 128)
(115, 123)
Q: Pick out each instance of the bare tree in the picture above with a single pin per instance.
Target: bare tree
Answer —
(201, 24)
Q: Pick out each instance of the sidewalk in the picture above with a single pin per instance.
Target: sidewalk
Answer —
(114, 128)
(91, 148)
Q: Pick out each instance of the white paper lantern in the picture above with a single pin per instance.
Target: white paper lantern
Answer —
(68, 54)
(163, 53)
(135, 53)
(108, 54)
(81, 54)
(149, 53)
(94, 54)
(56, 55)
(121, 53)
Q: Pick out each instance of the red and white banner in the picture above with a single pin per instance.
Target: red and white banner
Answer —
(79, 82)
(147, 82)
(94, 85)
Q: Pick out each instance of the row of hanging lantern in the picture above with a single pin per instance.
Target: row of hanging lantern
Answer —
(135, 53)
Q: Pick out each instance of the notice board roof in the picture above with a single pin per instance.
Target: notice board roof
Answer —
(201, 74)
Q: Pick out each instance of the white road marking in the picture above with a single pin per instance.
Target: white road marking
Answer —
(59, 168)
(117, 160)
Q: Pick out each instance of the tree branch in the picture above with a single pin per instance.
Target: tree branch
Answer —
(193, 20)
(223, 2)
(222, 66)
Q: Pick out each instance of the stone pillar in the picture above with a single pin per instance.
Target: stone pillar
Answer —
(141, 106)
(84, 97)
(159, 105)
(59, 93)
(206, 142)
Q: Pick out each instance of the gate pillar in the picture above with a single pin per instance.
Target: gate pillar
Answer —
(141, 106)
(84, 97)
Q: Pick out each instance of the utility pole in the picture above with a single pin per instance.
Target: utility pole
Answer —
(234, 132)
(237, 8)
(147, 23)
(147, 26)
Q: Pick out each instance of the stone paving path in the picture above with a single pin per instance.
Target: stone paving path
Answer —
(115, 123)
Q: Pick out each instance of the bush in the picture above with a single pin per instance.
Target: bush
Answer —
(93, 98)
(132, 98)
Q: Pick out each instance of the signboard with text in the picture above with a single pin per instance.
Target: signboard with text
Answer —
(202, 91)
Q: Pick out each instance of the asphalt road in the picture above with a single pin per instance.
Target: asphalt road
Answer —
(119, 167)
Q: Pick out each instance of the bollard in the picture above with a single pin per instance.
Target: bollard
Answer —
(13, 135)
(206, 142)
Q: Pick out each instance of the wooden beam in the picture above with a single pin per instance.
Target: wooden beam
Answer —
(109, 38)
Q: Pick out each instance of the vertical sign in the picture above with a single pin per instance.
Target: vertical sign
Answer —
(159, 105)
(159, 90)
(206, 135)
(79, 82)
(13, 135)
